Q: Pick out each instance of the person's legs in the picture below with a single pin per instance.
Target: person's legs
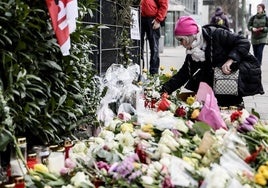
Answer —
(258, 50)
(153, 38)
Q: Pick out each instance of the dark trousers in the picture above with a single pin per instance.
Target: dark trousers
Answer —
(153, 36)
(258, 51)
(230, 100)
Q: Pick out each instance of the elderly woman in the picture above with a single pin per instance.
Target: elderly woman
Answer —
(212, 46)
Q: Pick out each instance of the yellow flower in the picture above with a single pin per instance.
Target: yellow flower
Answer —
(127, 127)
(172, 69)
(162, 68)
(144, 70)
(190, 100)
(263, 169)
(148, 128)
(168, 75)
(259, 179)
(195, 114)
(265, 174)
(40, 168)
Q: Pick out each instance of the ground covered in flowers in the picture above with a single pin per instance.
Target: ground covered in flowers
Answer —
(166, 143)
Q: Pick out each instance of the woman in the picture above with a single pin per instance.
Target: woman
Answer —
(213, 46)
(258, 25)
(219, 18)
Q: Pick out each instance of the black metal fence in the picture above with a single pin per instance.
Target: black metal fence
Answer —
(108, 50)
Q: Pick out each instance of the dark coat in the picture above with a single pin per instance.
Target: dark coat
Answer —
(221, 46)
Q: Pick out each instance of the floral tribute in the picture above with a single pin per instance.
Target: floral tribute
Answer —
(165, 146)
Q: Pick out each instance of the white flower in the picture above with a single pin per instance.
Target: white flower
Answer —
(79, 178)
(112, 144)
(79, 147)
(169, 141)
(99, 141)
(143, 135)
(113, 124)
(162, 148)
(157, 165)
(148, 180)
(184, 142)
(196, 104)
(167, 132)
(181, 126)
(107, 135)
(125, 139)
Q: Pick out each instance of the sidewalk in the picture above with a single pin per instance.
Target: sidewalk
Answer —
(174, 57)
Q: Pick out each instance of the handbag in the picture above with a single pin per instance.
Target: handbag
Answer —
(225, 84)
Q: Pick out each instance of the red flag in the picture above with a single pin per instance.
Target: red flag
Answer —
(63, 16)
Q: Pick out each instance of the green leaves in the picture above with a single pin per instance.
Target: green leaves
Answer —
(47, 94)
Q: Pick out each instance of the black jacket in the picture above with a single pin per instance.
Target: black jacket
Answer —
(221, 46)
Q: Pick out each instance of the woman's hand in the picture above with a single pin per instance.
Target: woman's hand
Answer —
(226, 67)
(156, 24)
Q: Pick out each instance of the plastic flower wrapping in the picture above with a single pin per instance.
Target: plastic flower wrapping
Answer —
(172, 143)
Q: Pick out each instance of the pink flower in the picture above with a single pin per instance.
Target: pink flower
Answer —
(69, 163)
(124, 116)
(64, 171)
(103, 165)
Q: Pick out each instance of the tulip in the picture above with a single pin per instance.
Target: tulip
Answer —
(69, 163)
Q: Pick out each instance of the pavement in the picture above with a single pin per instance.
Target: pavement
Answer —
(174, 57)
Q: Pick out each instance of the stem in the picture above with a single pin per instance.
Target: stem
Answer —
(19, 154)
(250, 138)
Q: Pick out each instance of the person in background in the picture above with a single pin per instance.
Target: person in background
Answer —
(220, 18)
(153, 12)
(208, 47)
(258, 25)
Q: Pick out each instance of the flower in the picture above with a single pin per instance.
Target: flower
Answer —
(236, 115)
(180, 111)
(127, 127)
(40, 168)
(124, 116)
(81, 178)
(190, 100)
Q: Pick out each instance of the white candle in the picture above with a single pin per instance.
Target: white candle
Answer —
(56, 162)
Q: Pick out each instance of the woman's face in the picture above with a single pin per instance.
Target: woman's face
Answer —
(185, 42)
(259, 9)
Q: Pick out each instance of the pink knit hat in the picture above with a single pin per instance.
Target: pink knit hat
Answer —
(185, 26)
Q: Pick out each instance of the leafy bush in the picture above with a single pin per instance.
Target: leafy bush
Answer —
(47, 95)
